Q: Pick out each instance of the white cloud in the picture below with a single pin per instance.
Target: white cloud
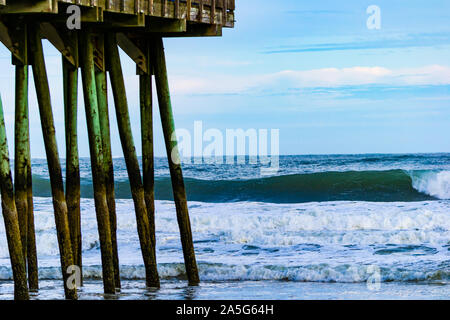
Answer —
(327, 77)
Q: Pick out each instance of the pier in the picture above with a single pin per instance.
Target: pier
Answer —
(88, 34)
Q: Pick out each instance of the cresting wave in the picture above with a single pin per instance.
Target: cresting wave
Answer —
(377, 186)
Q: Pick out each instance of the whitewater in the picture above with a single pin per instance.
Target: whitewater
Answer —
(323, 227)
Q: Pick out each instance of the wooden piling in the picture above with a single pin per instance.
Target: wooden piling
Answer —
(11, 218)
(20, 153)
(22, 168)
(102, 98)
(51, 148)
(148, 170)
(33, 276)
(179, 192)
(70, 79)
(126, 137)
(23, 176)
(95, 146)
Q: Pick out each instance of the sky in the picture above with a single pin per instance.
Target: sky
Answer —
(312, 69)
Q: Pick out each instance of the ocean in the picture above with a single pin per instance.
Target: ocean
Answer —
(322, 227)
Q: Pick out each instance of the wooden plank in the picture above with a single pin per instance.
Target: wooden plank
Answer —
(188, 9)
(9, 36)
(213, 12)
(197, 30)
(150, 7)
(116, 20)
(99, 52)
(225, 12)
(164, 8)
(137, 6)
(63, 42)
(155, 25)
(177, 9)
(200, 11)
(133, 51)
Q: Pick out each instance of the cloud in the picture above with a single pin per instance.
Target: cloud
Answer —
(289, 80)
(317, 12)
(396, 41)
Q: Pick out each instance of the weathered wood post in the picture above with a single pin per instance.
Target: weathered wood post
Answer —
(10, 217)
(23, 174)
(70, 78)
(20, 153)
(179, 192)
(148, 169)
(126, 138)
(22, 156)
(54, 166)
(95, 146)
(102, 98)
(33, 276)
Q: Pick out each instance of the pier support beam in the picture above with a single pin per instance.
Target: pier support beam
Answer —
(126, 137)
(23, 176)
(102, 98)
(51, 148)
(33, 270)
(20, 153)
(22, 157)
(70, 78)
(165, 108)
(10, 217)
(148, 172)
(95, 146)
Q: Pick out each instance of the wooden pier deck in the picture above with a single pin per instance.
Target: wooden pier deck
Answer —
(171, 16)
(92, 47)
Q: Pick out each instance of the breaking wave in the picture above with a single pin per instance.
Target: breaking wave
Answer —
(377, 186)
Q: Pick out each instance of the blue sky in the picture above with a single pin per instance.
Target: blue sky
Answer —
(309, 68)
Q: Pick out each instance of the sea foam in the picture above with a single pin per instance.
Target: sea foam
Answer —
(325, 242)
(436, 184)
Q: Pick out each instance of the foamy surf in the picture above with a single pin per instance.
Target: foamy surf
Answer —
(253, 241)
(344, 273)
(433, 183)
